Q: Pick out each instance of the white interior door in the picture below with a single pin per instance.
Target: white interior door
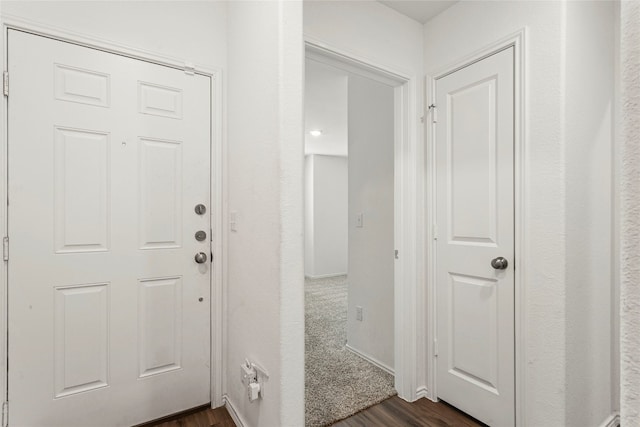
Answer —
(109, 314)
(475, 219)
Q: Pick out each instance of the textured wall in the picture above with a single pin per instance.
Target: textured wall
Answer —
(459, 31)
(589, 210)
(630, 214)
(265, 303)
(190, 30)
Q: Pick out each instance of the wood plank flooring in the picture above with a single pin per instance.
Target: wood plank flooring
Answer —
(393, 412)
(197, 417)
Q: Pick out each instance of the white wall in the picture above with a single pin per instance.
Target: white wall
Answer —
(371, 193)
(567, 258)
(326, 216)
(589, 112)
(325, 109)
(309, 254)
(629, 213)
(190, 30)
(376, 34)
(265, 294)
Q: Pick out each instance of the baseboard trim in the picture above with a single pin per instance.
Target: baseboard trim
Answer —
(237, 419)
(324, 276)
(371, 360)
(612, 420)
(422, 392)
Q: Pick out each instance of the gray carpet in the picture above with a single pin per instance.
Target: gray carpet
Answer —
(338, 383)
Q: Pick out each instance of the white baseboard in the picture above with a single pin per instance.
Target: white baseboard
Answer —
(612, 420)
(371, 360)
(422, 392)
(324, 276)
(237, 419)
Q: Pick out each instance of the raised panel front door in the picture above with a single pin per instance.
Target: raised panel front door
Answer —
(109, 313)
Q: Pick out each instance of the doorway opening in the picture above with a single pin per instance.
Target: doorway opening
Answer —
(352, 126)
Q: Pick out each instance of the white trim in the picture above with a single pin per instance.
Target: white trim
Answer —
(317, 49)
(375, 362)
(521, 185)
(407, 229)
(612, 420)
(218, 183)
(423, 392)
(60, 34)
(324, 276)
(237, 419)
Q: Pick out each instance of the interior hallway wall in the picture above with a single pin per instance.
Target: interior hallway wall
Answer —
(265, 265)
(371, 195)
(630, 213)
(326, 216)
(190, 30)
(589, 112)
(460, 31)
(567, 258)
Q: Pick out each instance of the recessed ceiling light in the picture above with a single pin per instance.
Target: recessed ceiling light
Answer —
(315, 132)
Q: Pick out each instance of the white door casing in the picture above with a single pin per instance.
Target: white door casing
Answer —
(107, 158)
(475, 221)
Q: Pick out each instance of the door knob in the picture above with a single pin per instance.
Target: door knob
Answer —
(499, 263)
(201, 258)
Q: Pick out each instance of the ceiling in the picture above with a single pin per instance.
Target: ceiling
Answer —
(420, 10)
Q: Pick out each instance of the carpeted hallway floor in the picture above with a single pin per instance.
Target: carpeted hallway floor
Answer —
(338, 383)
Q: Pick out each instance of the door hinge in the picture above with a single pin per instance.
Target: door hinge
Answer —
(435, 347)
(5, 83)
(5, 248)
(434, 113)
(5, 414)
(396, 254)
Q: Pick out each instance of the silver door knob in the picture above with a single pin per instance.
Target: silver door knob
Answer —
(201, 257)
(499, 263)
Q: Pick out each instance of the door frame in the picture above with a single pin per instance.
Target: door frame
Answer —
(407, 227)
(516, 40)
(217, 174)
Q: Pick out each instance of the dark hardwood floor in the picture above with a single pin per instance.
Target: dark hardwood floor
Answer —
(421, 413)
(197, 417)
(393, 412)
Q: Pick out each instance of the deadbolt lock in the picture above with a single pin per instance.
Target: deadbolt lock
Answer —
(200, 235)
(200, 209)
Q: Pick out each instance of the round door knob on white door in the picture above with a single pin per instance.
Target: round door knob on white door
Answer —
(499, 263)
(201, 258)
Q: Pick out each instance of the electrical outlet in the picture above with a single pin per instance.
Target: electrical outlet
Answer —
(248, 374)
(359, 313)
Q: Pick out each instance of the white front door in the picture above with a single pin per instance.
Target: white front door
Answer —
(109, 314)
(475, 220)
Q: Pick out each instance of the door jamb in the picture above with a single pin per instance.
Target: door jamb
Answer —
(217, 185)
(407, 228)
(516, 40)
